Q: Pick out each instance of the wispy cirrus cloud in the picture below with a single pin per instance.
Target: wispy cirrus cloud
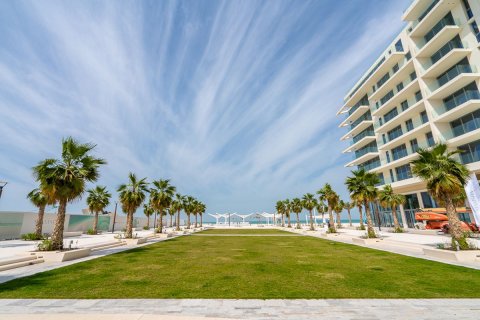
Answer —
(235, 101)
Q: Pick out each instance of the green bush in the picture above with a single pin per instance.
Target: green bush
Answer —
(362, 227)
(398, 230)
(31, 237)
(45, 245)
(91, 232)
(146, 228)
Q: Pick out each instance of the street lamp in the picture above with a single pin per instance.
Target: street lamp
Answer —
(2, 184)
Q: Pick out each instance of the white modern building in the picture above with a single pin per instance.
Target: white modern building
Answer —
(422, 90)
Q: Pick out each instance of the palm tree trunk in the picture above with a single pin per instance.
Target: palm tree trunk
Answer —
(95, 223)
(339, 220)
(370, 230)
(298, 221)
(188, 220)
(312, 227)
(283, 221)
(178, 221)
(331, 224)
(155, 223)
(57, 235)
(362, 227)
(148, 222)
(289, 224)
(129, 233)
(396, 225)
(161, 222)
(196, 225)
(39, 222)
(201, 220)
(455, 225)
(349, 217)
(171, 220)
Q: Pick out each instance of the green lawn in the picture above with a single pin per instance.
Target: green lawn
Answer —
(245, 231)
(250, 267)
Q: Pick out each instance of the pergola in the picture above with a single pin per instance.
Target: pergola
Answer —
(269, 217)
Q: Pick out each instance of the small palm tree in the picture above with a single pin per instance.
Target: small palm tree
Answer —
(177, 206)
(348, 206)
(132, 195)
(321, 208)
(202, 208)
(331, 197)
(362, 188)
(340, 205)
(280, 207)
(297, 207)
(445, 178)
(148, 212)
(288, 208)
(98, 199)
(39, 200)
(161, 195)
(63, 180)
(309, 203)
(388, 198)
(188, 207)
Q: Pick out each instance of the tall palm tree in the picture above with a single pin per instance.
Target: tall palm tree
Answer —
(348, 206)
(131, 196)
(445, 178)
(161, 195)
(309, 203)
(388, 198)
(297, 207)
(98, 199)
(321, 208)
(280, 207)
(63, 180)
(340, 205)
(171, 213)
(288, 208)
(39, 200)
(331, 197)
(177, 206)
(188, 207)
(148, 211)
(362, 188)
(202, 208)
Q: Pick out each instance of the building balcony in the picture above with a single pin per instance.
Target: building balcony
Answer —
(359, 128)
(354, 116)
(440, 39)
(437, 12)
(445, 115)
(402, 73)
(404, 186)
(454, 85)
(455, 141)
(359, 144)
(399, 162)
(416, 8)
(419, 129)
(401, 117)
(400, 96)
(362, 159)
(446, 62)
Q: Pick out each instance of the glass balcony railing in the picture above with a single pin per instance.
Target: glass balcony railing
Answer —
(364, 151)
(452, 73)
(365, 117)
(370, 164)
(455, 43)
(446, 21)
(362, 102)
(471, 152)
(460, 99)
(363, 134)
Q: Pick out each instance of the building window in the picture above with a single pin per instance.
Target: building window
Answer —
(399, 152)
(399, 87)
(452, 44)
(371, 147)
(392, 177)
(367, 132)
(409, 124)
(395, 68)
(468, 9)
(414, 145)
(413, 75)
(403, 172)
(424, 116)
(466, 123)
(370, 164)
(381, 178)
(475, 30)
(390, 115)
(404, 105)
(386, 97)
(430, 140)
(461, 67)
(463, 95)
(384, 139)
(447, 20)
(383, 79)
(388, 156)
(418, 96)
(471, 152)
(399, 46)
(394, 133)
(408, 56)
(428, 201)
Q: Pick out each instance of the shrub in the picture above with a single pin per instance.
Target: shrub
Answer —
(146, 228)
(398, 230)
(45, 245)
(331, 230)
(91, 232)
(362, 227)
(31, 237)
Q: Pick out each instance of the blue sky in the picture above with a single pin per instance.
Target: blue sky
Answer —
(234, 101)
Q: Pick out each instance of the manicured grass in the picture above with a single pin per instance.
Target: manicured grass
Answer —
(250, 267)
(245, 231)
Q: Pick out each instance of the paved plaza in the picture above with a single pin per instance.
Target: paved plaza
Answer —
(241, 309)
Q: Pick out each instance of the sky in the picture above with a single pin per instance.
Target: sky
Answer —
(234, 101)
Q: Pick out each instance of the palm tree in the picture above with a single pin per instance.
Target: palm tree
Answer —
(331, 197)
(131, 196)
(297, 207)
(388, 198)
(63, 180)
(445, 178)
(188, 207)
(280, 207)
(202, 209)
(98, 199)
(171, 213)
(309, 203)
(338, 210)
(161, 196)
(39, 200)
(287, 205)
(148, 211)
(362, 188)
(348, 206)
(321, 208)
(177, 206)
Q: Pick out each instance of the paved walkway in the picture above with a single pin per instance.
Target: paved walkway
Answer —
(241, 309)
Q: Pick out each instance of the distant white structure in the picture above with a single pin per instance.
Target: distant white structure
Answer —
(268, 217)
